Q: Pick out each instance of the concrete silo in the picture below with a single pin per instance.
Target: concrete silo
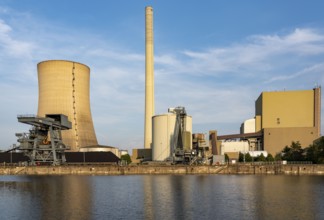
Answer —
(163, 130)
(64, 89)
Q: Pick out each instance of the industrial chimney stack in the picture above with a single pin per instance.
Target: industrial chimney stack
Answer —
(149, 77)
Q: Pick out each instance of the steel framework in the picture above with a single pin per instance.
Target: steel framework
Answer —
(43, 143)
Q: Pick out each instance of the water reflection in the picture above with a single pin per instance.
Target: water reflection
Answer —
(46, 197)
(292, 197)
(233, 197)
(167, 197)
(162, 197)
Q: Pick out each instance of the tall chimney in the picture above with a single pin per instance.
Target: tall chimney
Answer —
(149, 77)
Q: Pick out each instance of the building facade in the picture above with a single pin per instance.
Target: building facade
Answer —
(287, 116)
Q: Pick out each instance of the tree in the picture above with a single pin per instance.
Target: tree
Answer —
(315, 152)
(241, 157)
(293, 153)
(269, 158)
(261, 157)
(278, 156)
(248, 158)
(226, 158)
(245, 157)
(126, 158)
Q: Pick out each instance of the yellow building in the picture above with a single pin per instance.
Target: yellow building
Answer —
(64, 89)
(287, 116)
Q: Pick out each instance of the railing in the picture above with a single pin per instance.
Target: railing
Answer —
(299, 162)
(20, 164)
(27, 116)
(280, 162)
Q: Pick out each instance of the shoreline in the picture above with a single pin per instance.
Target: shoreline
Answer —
(97, 169)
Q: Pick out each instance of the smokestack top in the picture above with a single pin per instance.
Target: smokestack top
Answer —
(149, 8)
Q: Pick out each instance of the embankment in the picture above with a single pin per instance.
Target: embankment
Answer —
(293, 169)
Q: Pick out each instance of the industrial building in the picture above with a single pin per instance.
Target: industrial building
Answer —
(64, 89)
(281, 117)
(287, 116)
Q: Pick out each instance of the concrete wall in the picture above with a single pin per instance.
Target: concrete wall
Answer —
(275, 139)
(141, 154)
(293, 169)
(287, 109)
(234, 146)
(300, 169)
(258, 126)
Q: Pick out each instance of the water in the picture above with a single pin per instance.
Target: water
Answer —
(162, 197)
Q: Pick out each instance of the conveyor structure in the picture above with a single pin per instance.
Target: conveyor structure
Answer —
(179, 152)
(43, 143)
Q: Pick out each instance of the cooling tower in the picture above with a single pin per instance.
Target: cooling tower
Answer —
(64, 89)
(149, 77)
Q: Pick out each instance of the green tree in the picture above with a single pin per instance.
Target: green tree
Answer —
(315, 152)
(278, 156)
(226, 158)
(248, 158)
(245, 157)
(126, 158)
(241, 157)
(293, 153)
(261, 157)
(270, 158)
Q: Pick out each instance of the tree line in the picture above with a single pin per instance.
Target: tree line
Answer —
(294, 152)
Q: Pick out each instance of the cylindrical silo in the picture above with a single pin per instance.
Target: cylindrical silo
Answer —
(64, 88)
(162, 136)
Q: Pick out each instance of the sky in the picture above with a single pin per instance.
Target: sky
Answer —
(214, 58)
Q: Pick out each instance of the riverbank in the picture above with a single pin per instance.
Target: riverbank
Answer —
(291, 169)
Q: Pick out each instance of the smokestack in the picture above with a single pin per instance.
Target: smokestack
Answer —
(64, 89)
(149, 77)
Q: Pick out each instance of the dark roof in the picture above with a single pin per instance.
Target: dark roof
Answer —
(71, 157)
(79, 157)
(13, 157)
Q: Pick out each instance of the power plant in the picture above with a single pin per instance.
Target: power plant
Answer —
(64, 122)
(64, 88)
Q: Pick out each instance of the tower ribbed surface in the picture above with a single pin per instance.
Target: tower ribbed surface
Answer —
(64, 88)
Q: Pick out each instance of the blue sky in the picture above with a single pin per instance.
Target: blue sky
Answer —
(214, 58)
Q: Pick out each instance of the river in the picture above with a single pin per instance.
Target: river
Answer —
(162, 197)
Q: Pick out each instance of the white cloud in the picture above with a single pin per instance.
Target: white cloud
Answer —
(314, 69)
(259, 53)
(13, 47)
